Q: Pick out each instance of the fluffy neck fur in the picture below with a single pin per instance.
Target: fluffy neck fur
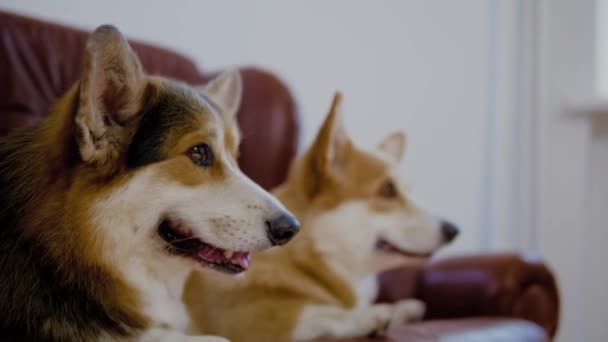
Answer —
(305, 254)
(56, 286)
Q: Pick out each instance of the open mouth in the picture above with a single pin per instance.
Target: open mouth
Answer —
(182, 242)
(387, 247)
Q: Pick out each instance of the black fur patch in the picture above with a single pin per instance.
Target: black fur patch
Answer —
(172, 110)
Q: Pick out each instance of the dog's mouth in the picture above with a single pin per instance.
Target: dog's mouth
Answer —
(182, 242)
(387, 247)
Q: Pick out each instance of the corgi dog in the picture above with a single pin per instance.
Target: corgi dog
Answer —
(357, 221)
(130, 184)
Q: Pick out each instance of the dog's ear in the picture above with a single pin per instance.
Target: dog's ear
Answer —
(394, 145)
(225, 90)
(329, 152)
(110, 93)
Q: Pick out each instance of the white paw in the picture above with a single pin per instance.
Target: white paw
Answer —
(373, 320)
(161, 335)
(405, 311)
(201, 339)
(211, 339)
(379, 316)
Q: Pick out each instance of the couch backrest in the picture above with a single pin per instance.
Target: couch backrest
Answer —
(39, 61)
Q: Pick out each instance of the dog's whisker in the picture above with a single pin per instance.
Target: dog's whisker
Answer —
(179, 249)
(188, 238)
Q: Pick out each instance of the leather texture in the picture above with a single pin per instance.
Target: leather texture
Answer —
(488, 285)
(40, 60)
(500, 329)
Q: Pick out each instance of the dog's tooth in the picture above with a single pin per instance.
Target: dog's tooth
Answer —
(228, 254)
(243, 261)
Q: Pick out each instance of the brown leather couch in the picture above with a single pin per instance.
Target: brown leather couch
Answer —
(507, 297)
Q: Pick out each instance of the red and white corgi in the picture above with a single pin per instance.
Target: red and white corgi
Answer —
(111, 201)
(357, 221)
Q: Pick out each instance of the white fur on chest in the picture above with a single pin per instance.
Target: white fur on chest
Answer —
(161, 296)
(366, 291)
(350, 260)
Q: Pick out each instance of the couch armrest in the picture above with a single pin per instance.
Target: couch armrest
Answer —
(268, 119)
(512, 285)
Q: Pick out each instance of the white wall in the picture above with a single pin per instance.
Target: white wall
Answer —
(568, 71)
(595, 280)
(422, 66)
(601, 56)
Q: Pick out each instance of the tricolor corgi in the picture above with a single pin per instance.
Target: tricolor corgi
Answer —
(357, 221)
(111, 201)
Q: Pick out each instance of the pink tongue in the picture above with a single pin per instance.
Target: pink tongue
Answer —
(241, 259)
(212, 254)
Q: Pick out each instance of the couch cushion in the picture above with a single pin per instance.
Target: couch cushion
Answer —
(473, 329)
(461, 330)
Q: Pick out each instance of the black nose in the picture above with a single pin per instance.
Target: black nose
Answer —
(449, 231)
(282, 228)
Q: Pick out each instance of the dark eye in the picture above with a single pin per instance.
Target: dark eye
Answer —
(201, 155)
(388, 190)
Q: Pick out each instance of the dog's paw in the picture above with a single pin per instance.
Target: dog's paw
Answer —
(162, 335)
(201, 339)
(380, 315)
(407, 311)
(374, 320)
(209, 339)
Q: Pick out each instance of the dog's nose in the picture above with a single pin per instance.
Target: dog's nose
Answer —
(282, 228)
(449, 231)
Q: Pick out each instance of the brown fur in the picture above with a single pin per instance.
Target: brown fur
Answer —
(265, 304)
(60, 290)
(58, 282)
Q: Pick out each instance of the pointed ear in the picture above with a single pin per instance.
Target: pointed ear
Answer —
(225, 90)
(331, 145)
(110, 94)
(394, 145)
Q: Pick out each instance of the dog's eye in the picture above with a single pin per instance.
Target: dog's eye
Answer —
(388, 190)
(201, 155)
